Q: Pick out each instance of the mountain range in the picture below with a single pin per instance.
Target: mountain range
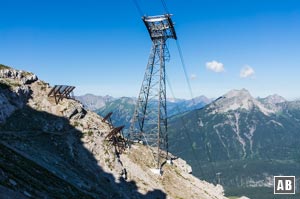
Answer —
(123, 108)
(240, 141)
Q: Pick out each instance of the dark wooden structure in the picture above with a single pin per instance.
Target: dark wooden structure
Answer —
(107, 118)
(61, 91)
(116, 137)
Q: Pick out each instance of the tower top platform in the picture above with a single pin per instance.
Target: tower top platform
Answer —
(160, 27)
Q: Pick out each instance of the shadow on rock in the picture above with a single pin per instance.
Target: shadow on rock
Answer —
(43, 156)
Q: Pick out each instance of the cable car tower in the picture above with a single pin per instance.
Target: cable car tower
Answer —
(149, 122)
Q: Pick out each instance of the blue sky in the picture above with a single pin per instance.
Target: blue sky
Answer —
(102, 47)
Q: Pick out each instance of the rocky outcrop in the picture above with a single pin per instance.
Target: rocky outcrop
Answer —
(24, 77)
(180, 163)
(76, 112)
(17, 82)
(10, 73)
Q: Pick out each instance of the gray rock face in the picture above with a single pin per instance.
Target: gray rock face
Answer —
(29, 79)
(183, 165)
(76, 112)
(23, 91)
(6, 108)
(11, 102)
(10, 73)
(24, 77)
(18, 82)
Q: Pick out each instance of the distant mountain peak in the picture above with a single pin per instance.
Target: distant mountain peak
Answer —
(275, 99)
(239, 99)
(174, 100)
(94, 102)
(243, 93)
(202, 98)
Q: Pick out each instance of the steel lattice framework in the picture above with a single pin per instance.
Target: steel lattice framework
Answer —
(149, 122)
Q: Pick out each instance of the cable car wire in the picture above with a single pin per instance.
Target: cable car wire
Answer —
(165, 6)
(141, 13)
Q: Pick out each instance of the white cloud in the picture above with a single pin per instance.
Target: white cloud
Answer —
(247, 71)
(193, 76)
(215, 66)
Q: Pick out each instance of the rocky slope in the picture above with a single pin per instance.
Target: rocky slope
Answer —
(50, 150)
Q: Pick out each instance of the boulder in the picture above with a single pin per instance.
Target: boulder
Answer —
(77, 112)
(29, 79)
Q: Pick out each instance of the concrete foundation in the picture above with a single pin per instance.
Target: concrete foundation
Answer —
(156, 171)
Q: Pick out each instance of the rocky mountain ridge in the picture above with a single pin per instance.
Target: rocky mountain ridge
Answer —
(123, 108)
(239, 99)
(96, 103)
(51, 150)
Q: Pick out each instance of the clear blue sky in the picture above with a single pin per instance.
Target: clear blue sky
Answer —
(102, 47)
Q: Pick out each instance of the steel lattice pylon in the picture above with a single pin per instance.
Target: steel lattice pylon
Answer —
(149, 122)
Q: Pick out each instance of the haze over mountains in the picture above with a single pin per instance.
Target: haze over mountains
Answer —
(123, 107)
(95, 102)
